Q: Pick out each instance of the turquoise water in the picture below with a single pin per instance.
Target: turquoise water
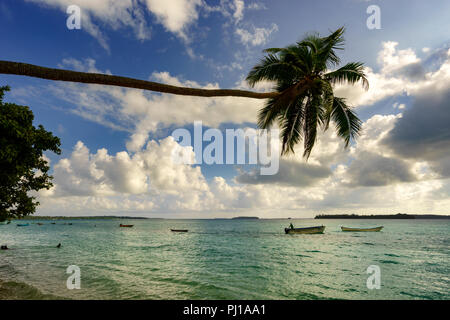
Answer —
(225, 259)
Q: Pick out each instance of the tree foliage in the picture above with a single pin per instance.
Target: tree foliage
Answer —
(306, 101)
(23, 169)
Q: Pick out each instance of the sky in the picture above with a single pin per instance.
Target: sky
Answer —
(117, 144)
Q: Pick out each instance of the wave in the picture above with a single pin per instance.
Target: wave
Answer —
(389, 262)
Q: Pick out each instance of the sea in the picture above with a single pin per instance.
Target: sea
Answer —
(224, 259)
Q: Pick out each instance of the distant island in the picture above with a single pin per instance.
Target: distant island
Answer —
(79, 218)
(245, 218)
(381, 216)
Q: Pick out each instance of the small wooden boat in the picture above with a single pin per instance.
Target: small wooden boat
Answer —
(179, 230)
(307, 230)
(376, 229)
(23, 224)
(126, 225)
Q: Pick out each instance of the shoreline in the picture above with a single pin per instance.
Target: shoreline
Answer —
(14, 290)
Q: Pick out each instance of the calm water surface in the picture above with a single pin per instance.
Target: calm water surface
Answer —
(225, 259)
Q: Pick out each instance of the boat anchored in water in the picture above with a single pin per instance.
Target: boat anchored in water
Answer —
(376, 229)
(126, 225)
(179, 230)
(307, 230)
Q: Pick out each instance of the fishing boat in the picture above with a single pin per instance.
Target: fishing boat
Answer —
(307, 230)
(376, 229)
(179, 230)
(126, 225)
(23, 224)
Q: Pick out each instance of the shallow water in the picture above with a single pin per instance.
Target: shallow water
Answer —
(225, 259)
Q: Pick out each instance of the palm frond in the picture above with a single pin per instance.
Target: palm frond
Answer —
(348, 125)
(328, 100)
(291, 126)
(327, 56)
(269, 113)
(314, 116)
(281, 103)
(273, 50)
(271, 68)
(352, 73)
(306, 100)
(298, 56)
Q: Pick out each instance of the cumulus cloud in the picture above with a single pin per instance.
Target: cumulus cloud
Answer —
(393, 59)
(175, 15)
(141, 112)
(400, 162)
(238, 10)
(401, 72)
(423, 133)
(148, 181)
(115, 14)
(151, 169)
(290, 173)
(295, 171)
(373, 170)
(256, 36)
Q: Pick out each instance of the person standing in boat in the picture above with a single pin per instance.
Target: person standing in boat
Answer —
(291, 226)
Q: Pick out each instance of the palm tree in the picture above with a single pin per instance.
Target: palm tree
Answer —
(303, 99)
(305, 84)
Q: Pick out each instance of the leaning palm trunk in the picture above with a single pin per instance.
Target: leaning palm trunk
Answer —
(25, 69)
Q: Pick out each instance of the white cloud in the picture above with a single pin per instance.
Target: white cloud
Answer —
(115, 14)
(368, 178)
(175, 15)
(399, 106)
(393, 59)
(151, 169)
(238, 10)
(401, 73)
(257, 36)
(141, 112)
(149, 182)
(256, 6)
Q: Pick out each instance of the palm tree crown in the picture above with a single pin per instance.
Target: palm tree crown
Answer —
(305, 83)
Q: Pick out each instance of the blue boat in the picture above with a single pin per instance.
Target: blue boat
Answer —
(23, 224)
